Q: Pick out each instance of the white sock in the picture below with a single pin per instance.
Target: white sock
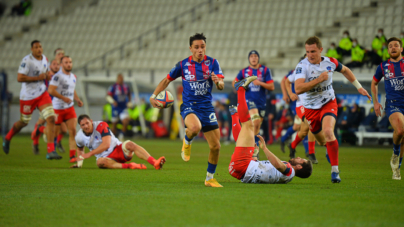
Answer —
(188, 142)
(209, 176)
(334, 169)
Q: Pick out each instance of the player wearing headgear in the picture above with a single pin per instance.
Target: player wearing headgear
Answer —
(32, 73)
(242, 166)
(109, 151)
(119, 96)
(313, 77)
(198, 73)
(392, 71)
(62, 88)
(256, 97)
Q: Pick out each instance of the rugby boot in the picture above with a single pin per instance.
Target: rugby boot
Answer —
(35, 133)
(73, 159)
(158, 164)
(60, 147)
(6, 146)
(312, 158)
(245, 82)
(213, 183)
(133, 165)
(292, 151)
(283, 147)
(397, 175)
(186, 151)
(335, 177)
(394, 162)
(35, 149)
(53, 155)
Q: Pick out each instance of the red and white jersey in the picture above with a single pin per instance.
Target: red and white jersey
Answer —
(100, 129)
(322, 92)
(291, 79)
(263, 172)
(32, 67)
(65, 86)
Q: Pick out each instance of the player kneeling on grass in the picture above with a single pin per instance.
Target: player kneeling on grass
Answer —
(110, 152)
(242, 166)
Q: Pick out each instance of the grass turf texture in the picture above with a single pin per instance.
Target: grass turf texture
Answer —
(38, 192)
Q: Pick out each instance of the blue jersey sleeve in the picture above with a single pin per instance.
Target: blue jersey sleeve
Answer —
(338, 65)
(378, 74)
(240, 75)
(111, 90)
(268, 76)
(175, 72)
(217, 70)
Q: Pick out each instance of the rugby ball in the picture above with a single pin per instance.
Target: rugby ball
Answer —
(165, 98)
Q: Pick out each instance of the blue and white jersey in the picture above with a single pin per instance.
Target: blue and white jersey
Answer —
(196, 79)
(120, 93)
(393, 74)
(256, 93)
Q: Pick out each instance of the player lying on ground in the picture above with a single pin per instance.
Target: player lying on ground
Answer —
(242, 166)
(110, 152)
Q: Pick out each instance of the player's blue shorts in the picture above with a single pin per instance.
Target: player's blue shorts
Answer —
(261, 108)
(292, 107)
(393, 107)
(205, 113)
(118, 113)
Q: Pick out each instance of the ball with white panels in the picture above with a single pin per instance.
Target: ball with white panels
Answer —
(165, 98)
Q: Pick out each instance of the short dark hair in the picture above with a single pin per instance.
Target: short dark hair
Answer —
(314, 40)
(57, 49)
(305, 171)
(197, 36)
(347, 32)
(33, 42)
(395, 39)
(83, 116)
(66, 56)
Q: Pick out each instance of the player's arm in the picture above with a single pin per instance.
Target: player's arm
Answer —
(301, 86)
(275, 161)
(110, 99)
(284, 92)
(375, 91)
(106, 142)
(77, 99)
(218, 81)
(351, 77)
(269, 85)
(52, 91)
(24, 78)
(288, 86)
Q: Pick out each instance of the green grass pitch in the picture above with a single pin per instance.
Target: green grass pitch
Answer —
(38, 192)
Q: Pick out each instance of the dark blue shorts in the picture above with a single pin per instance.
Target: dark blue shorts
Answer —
(118, 113)
(292, 107)
(205, 113)
(393, 107)
(261, 108)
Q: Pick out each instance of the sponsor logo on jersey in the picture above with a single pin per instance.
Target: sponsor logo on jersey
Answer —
(23, 65)
(329, 68)
(320, 89)
(187, 64)
(398, 84)
(299, 70)
(200, 88)
(207, 62)
(206, 74)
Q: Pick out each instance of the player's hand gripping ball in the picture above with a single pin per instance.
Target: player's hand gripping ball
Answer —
(165, 99)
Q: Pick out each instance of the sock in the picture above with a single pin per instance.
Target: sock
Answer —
(312, 145)
(278, 133)
(334, 169)
(296, 141)
(41, 129)
(51, 147)
(36, 140)
(125, 166)
(306, 145)
(188, 141)
(242, 107)
(55, 142)
(151, 160)
(72, 153)
(211, 170)
(401, 159)
(11, 133)
(257, 140)
(332, 148)
(326, 155)
(235, 127)
(396, 149)
(288, 134)
(59, 138)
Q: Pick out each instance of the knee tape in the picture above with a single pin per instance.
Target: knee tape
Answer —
(298, 121)
(255, 117)
(47, 112)
(126, 151)
(25, 118)
(40, 116)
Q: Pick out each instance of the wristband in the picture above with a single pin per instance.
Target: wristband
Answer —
(153, 96)
(110, 99)
(357, 84)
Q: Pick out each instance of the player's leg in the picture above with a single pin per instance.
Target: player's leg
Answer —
(256, 120)
(71, 127)
(328, 124)
(397, 122)
(235, 122)
(124, 116)
(213, 139)
(36, 133)
(59, 136)
(107, 163)
(289, 132)
(49, 115)
(312, 144)
(300, 135)
(130, 148)
(193, 127)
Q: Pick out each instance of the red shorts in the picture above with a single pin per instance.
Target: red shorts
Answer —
(28, 106)
(300, 112)
(315, 117)
(118, 155)
(240, 160)
(64, 115)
